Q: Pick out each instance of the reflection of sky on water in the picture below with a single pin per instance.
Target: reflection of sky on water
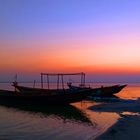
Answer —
(54, 123)
(103, 120)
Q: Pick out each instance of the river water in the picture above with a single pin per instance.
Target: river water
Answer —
(73, 122)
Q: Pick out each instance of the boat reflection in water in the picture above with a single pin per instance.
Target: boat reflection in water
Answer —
(74, 121)
(67, 113)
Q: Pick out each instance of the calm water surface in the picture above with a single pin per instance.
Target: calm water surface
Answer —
(74, 122)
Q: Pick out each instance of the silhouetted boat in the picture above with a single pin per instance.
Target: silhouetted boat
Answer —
(48, 91)
(58, 97)
(45, 96)
(101, 91)
(108, 91)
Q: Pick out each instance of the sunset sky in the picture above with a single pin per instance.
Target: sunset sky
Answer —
(98, 37)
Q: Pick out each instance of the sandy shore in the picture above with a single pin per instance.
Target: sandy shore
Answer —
(128, 126)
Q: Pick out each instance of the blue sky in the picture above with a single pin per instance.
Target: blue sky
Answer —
(22, 17)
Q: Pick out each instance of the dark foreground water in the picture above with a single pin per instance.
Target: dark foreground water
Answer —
(74, 122)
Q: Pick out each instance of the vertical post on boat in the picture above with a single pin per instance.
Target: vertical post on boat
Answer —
(48, 81)
(34, 84)
(58, 81)
(42, 80)
(83, 78)
(15, 83)
(62, 81)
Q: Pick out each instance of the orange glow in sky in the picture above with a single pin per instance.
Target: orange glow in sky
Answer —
(72, 56)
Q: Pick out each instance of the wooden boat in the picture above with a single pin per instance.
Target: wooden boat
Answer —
(57, 90)
(108, 91)
(101, 91)
(52, 98)
(56, 96)
(47, 96)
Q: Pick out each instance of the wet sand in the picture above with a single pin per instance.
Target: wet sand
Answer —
(127, 126)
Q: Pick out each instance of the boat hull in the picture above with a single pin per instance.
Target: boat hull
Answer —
(44, 99)
(107, 91)
(102, 91)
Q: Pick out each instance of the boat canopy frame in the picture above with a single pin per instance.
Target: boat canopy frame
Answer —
(61, 76)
